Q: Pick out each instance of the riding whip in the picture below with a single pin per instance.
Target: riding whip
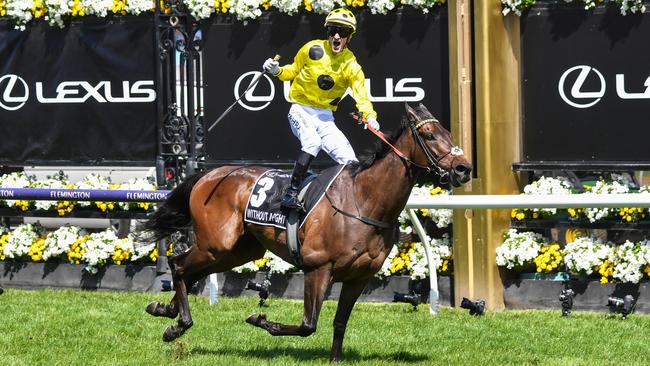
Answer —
(253, 83)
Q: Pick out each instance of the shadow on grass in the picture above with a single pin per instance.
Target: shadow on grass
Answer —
(310, 354)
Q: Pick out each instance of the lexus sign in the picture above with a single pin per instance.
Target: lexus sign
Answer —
(14, 92)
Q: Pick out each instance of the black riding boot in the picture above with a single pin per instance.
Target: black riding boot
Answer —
(290, 199)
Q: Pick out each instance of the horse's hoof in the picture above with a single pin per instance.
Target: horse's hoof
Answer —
(172, 332)
(152, 308)
(255, 319)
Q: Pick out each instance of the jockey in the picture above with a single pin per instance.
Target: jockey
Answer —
(321, 73)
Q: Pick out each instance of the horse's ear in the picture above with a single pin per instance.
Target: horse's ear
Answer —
(410, 113)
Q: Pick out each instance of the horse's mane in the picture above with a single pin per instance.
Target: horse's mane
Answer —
(379, 149)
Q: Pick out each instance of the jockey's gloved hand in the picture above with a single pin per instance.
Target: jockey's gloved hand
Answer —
(271, 66)
(373, 123)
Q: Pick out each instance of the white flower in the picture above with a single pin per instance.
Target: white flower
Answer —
(247, 267)
(20, 11)
(618, 185)
(92, 181)
(325, 6)
(140, 249)
(586, 252)
(48, 183)
(15, 180)
(519, 249)
(246, 9)
(629, 260)
(135, 184)
(98, 249)
(290, 7)
(380, 6)
(385, 268)
(56, 11)
(100, 8)
(277, 264)
(21, 238)
(59, 241)
(548, 186)
(137, 7)
(200, 9)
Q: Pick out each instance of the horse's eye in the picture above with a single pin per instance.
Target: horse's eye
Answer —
(429, 136)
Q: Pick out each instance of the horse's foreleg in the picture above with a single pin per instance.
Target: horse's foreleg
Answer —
(350, 292)
(316, 284)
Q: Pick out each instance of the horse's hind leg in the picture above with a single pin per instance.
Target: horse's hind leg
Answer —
(316, 284)
(196, 264)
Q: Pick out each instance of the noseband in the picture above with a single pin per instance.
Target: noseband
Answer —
(433, 162)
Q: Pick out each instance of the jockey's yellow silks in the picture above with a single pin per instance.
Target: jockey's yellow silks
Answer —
(320, 78)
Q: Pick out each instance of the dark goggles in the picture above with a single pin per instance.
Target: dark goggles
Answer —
(332, 30)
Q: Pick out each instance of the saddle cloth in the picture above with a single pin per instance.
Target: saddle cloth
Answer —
(263, 207)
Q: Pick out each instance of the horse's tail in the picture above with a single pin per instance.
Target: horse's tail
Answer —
(173, 214)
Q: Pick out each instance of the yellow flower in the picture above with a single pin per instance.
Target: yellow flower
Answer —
(77, 9)
(170, 250)
(36, 249)
(307, 4)
(119, 7)
(38, 9)
(154, 254)
(266, 4)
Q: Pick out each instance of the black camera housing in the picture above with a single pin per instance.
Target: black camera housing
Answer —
(625, 306)
(262, 288)
(410, 298)
(475, 307)
(566, 298)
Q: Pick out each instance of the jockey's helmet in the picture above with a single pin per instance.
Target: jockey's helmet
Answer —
(341, 17)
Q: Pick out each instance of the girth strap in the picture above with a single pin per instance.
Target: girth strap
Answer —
(365, 220)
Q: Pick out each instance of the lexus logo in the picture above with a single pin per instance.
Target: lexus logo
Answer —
(251, 101)
(13, 92)
(578, 97)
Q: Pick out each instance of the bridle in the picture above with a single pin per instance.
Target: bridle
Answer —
(433, 163)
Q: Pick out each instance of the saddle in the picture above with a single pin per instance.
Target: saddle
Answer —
(263, 207)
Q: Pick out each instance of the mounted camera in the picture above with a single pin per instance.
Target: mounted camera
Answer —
(625, 306)
(262, 288)
(566, 298)
(475, 307)
(410, 298)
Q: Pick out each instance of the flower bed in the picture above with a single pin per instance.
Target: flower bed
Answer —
(58, 12)
(625, 6)
(72, 244)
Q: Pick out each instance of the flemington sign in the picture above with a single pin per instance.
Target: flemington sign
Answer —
(111, 195)
(586, 86)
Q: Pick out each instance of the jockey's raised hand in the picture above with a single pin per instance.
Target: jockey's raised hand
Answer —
(373, 123)
(271, 66)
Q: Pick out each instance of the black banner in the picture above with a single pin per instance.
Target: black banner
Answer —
(586, 84)
(80, 95)
(404, 55)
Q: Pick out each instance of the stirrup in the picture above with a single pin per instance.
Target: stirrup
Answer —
(291, 202)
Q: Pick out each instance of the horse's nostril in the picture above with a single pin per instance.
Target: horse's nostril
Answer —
(463, 169)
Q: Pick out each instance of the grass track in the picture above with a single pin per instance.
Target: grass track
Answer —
(65, 327)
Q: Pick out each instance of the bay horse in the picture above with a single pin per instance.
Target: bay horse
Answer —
(338, 244)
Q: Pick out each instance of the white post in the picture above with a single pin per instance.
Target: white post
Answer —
(213, 287)
(433, 275)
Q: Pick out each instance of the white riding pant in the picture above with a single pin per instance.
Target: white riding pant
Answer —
(316, 130)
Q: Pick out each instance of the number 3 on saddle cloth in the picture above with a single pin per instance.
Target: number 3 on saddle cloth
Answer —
(264, 208)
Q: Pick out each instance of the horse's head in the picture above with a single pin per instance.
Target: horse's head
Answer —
(436, 150)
